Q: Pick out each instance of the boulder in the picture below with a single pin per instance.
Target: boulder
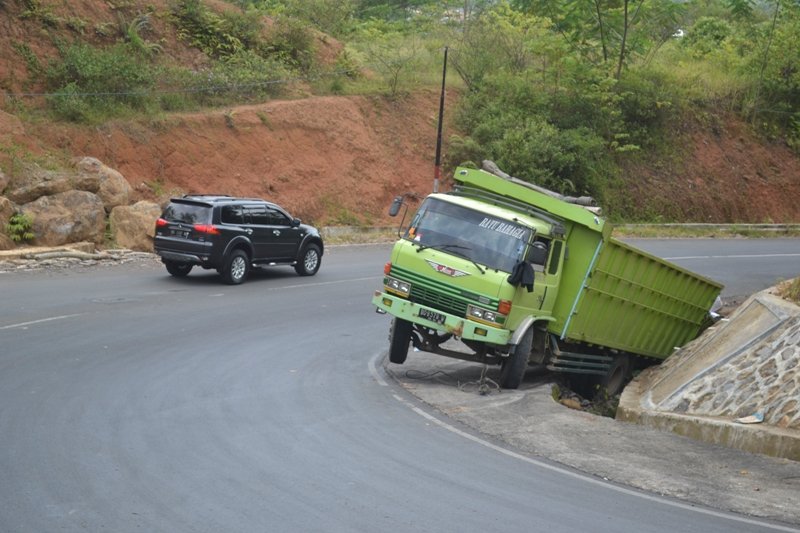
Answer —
(3, 181)
(6, 243)
(7, 209)
(34, 182)
(133, 226)
(67, 217)
(110, 185)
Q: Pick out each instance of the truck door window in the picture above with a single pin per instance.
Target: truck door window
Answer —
(555, 257)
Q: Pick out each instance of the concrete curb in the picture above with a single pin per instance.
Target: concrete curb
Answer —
(41, 252)
(701, 390)
(766, 440)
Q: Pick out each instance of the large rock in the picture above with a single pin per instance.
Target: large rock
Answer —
(7, 209)
(67, 217)
(3, 181)
(34, 182)
(133, 226)
(110, 185)
(6, 243)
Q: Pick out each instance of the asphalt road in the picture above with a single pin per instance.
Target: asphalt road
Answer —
(133, 401)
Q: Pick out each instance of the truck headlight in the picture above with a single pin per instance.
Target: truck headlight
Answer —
(484, 315)
(401, 288)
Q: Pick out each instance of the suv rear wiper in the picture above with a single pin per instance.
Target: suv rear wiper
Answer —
(451, 247)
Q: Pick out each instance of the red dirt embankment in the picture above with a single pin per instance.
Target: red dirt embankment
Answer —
(340, 160)
(329, 160)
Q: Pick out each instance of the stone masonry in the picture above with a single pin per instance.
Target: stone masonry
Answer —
(738, 384)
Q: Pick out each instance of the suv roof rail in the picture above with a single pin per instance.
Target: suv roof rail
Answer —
(221, 197)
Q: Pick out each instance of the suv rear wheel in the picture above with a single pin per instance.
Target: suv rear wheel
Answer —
(236, 268)
(179, 270)
(309, 261)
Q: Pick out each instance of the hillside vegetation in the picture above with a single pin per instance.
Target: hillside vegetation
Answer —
(664, 111)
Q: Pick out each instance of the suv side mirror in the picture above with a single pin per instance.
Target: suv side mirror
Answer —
(295, 222)
(538, 253)
(395, 207)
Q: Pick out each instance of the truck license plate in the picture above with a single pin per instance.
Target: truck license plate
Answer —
(432, 316)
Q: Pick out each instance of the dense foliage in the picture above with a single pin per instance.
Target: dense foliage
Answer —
(554, 91)
(560, 91)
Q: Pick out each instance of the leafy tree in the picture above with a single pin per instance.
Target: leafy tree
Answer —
(706, 35)
(503, 39)
(603, 31)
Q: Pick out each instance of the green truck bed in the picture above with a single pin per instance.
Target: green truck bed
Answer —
(636, 302)
(611, 294)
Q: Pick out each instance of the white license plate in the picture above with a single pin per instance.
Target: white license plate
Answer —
(433, 316)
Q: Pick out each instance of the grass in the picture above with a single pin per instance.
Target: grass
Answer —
(346, 235)
(791, 291)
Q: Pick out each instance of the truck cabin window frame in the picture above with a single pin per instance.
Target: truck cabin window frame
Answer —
(495, 242)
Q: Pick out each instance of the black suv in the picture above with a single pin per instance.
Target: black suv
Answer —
(232, 234)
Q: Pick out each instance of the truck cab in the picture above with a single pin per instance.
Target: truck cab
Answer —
(473, 269)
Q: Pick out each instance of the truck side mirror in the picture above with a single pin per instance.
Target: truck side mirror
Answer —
(538, 253)
(395, 207)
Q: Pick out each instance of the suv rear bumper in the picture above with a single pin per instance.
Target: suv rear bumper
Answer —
(181, 257)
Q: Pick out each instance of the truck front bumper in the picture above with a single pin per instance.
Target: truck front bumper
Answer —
(458, 326)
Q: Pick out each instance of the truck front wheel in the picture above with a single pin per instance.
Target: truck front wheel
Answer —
(399, 338)
(512, 369)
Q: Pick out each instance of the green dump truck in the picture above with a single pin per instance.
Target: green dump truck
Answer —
(500, 271)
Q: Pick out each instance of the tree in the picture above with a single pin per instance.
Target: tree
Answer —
(628, 28)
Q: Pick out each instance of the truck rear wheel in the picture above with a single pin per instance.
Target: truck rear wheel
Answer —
(513, 367)
(399, 338)
(594, 387)
(617, 376)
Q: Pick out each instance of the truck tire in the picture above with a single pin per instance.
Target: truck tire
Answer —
(616, 378)
(236, 268)
(594, 387)
(399, 339)
(513, 367)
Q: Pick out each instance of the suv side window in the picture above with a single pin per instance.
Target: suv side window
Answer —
(276, 218)
(231, 214)
(258, 215)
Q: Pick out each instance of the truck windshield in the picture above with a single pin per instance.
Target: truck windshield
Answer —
(495, 242)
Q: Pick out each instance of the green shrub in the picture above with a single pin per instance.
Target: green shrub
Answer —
(204, 29)
(706, 35)
(20, 228)
(91, 82)
(289, 41)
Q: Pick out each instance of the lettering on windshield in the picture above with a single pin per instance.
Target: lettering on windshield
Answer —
(503, 227)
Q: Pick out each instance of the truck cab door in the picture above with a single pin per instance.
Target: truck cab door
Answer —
(544, 257)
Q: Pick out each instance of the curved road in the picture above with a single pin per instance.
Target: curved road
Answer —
(133, 401)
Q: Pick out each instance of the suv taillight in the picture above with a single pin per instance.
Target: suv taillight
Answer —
(208, 229)
(160, 223)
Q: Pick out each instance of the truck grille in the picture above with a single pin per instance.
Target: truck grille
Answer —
(437, 300)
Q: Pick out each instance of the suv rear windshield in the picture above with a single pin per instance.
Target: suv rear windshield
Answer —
(187, 213)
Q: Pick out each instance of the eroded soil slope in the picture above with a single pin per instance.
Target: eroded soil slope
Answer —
(330, 160)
